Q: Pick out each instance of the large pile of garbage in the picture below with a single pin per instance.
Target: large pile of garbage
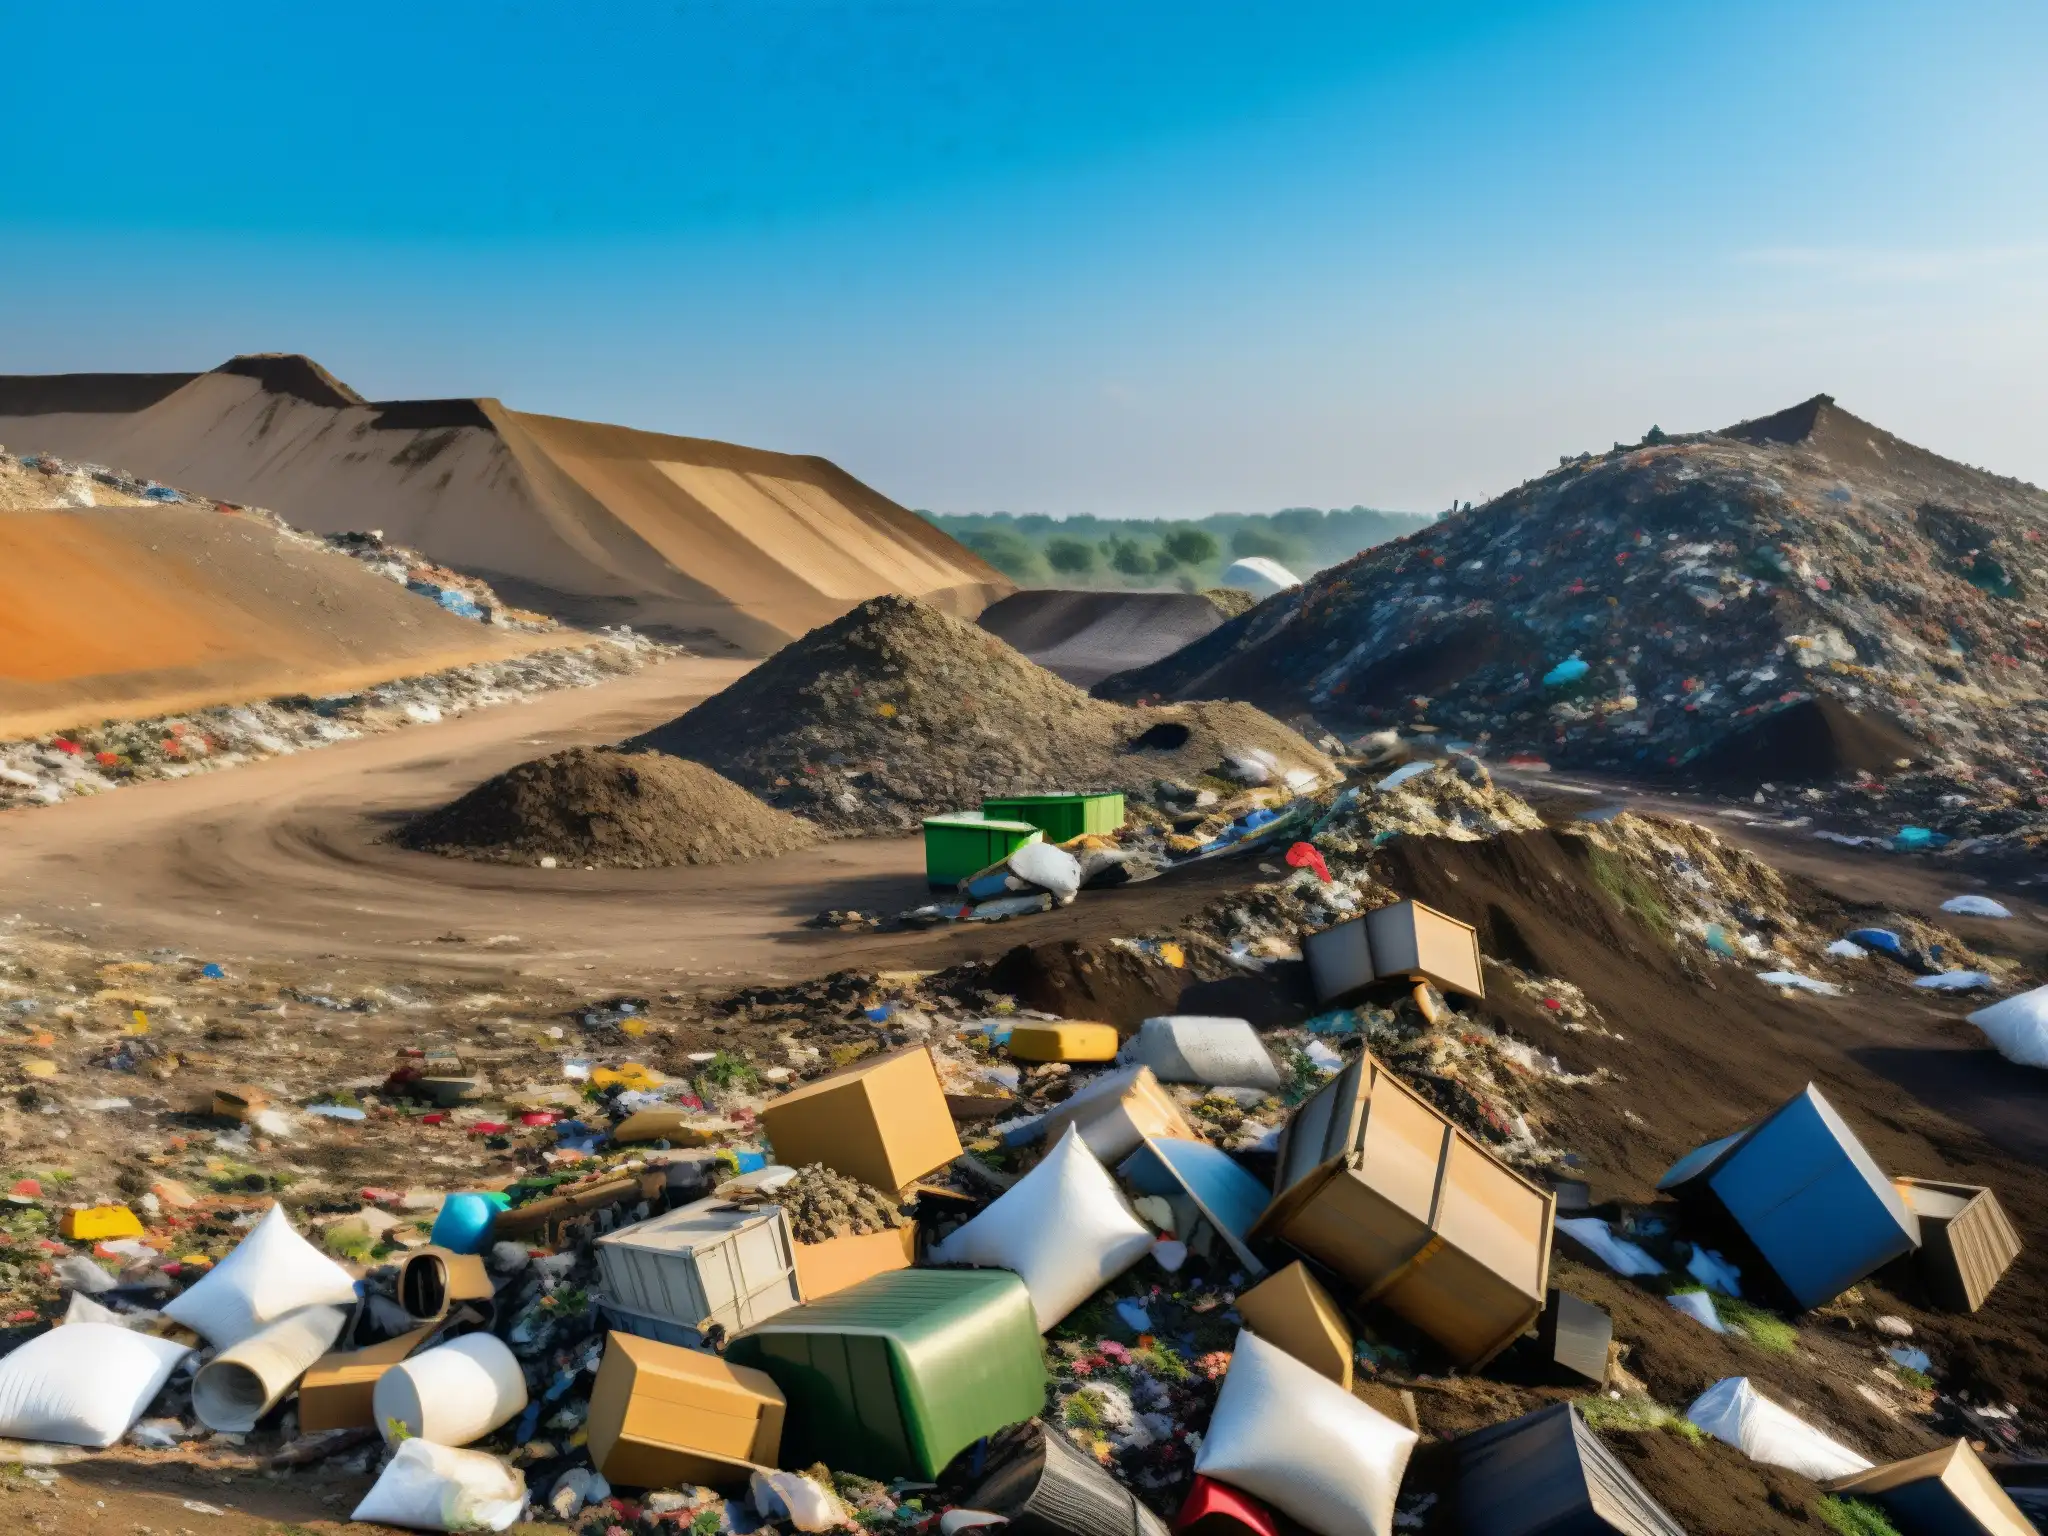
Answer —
(896, 711)
(1633, 610)
(597, 807)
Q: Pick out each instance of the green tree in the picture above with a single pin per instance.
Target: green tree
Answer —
(1129, 557)
(1249, 542)
(1008, 551)
(1190, 546)
(1070, 557)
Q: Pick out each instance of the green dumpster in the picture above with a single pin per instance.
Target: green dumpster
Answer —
(897, 1375)
(1061, 817)
(964, 843)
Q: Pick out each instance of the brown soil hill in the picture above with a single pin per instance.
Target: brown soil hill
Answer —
(1085, 636)
(897, 711)
(622, 810)
(592, 524)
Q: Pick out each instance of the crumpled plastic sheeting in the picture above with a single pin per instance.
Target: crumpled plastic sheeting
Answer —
(1735, 1413)
(1619, 1255)
(2018, 1027)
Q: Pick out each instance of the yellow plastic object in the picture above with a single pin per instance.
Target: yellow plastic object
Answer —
(98, 1223)
(1063, 1042)
(630, 1075)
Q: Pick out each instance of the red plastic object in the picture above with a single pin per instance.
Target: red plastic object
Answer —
(539, 1117)
(1217, 1509)
(1308, 856)
(436, 1118)
(489, 1128)
(27, 1187)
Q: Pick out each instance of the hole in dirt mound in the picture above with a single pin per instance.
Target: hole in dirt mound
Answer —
(1812, 741)
(1166, 736)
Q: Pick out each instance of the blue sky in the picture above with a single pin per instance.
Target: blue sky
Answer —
(1060, 257)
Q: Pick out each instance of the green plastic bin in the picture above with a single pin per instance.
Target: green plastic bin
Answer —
(1061, 817)
(897, 1375)
(964, 843)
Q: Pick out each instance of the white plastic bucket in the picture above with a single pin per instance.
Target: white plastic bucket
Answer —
(452, 1395)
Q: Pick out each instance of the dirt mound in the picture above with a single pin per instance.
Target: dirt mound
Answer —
(591, 524)
(1230, 601)
(897, 711)
(1811, 741)
(1085, 636)
(1631, 611)
(597, 806)
(824, 1204)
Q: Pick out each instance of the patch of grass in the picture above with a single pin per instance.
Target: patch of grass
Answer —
(1638, 1414)
(1765, 1329)
(1162, 1362)
(1853, 1517)
(1081, 1412)
(847, 1055)
(1918, 1380)
(727, 1071)
(1630, 891)
(708, 1521)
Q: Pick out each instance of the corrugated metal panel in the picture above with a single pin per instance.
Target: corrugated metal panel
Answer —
(1966, 1240)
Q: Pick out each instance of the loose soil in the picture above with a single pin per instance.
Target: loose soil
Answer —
(1813, 741)
(615, 810)
(822, 1204)
(897, 711)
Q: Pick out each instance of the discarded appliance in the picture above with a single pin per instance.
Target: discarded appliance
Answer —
(1211, 1194)
(1406, 941)
(964, 843)
(452, 1394)
(1117, 1111)
(1064, 1042)
(826, 1267)
(702, 1264)
(1189, 1048)
(1574, 1335)
(662, 1417)
(1547, 1474)
(1379, 1187)
(242, 1383)
(1810, 1199)
(899, 1374)
(1292, 1309)
(1736, 1414)
(1217, 1509)
(1064, 1227)
(1304, 1445)
(1044, 1486)
(883, 1121)
(1948, 1492)
(432, 1282)
(338, 1390)
(1060, 817)
(1966, 1241)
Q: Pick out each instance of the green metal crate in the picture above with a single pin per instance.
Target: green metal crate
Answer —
(1061, 817)
(897, 1375)
(964, 843)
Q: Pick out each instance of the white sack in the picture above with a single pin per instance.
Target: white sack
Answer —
(454, 1394)
(1064, 1227)
(83, 1383)
(273, 1271)
(1735, 1413)
(1048, 867)
(1188, 1048)
(1957, 981)
(1285, 1433)
(791, 1496)
(430, 1487)
(1619, 1255)
(238, 1386)
(2018, 1027)
(1976, 906)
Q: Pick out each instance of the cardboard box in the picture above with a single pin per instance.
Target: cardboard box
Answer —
(336, 1392)
(239, 1101)
(1064, 1042)
(432, 1282)
(1947, 1492)
(1966, 1241)
(1381, 1189)
(883, 1121)
(1575, 1336)
(704, 1263)
(1293, 1310)
(838, 1262)
(677, 1127)
(1547, 1473)
(1405, 941)
(1117, 1112)
(662, 1417)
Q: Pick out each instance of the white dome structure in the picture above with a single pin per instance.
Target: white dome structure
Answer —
(1259, 576)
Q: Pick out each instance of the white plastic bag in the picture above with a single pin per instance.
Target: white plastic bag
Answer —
(429, 1487)
(791, 1496)
(1049, 868)
(1064, 1227)
(83, 1383)
(451, 1395)
(238, 1386)
(273, 1271)
(1976, 906)
(1285, 1433)
(2018, 1027)
(1735, 1413)
(1188, 1048)
(1618, 1254)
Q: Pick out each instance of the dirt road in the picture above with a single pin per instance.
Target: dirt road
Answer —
(286, 859)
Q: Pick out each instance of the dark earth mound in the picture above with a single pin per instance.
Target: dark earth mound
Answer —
(1085, 636)
(1812, 741)
(596, 806)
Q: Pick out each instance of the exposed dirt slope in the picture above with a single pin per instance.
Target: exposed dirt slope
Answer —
(1085, 636)
(590, 523)
(897, 711)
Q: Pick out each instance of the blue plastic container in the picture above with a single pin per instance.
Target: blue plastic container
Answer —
(464, 1224)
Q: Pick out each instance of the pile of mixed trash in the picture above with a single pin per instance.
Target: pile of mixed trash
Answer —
(1633, 610)
(467, 597)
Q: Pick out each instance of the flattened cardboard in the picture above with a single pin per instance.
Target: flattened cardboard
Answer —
(1293, 1310)
(337, 1390)
(883, 1121)
(663, 1417)
(836, 1263)
(1064, 1042)
(677, 1127)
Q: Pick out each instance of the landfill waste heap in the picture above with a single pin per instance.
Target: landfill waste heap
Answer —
(1635, 610)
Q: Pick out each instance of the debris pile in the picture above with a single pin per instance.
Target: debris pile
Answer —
(597, 807)
(896, 711)
(467, 597)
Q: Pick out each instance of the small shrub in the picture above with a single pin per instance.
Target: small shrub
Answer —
(1853, 1517)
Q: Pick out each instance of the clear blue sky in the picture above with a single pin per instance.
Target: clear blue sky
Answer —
(1063, 257)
